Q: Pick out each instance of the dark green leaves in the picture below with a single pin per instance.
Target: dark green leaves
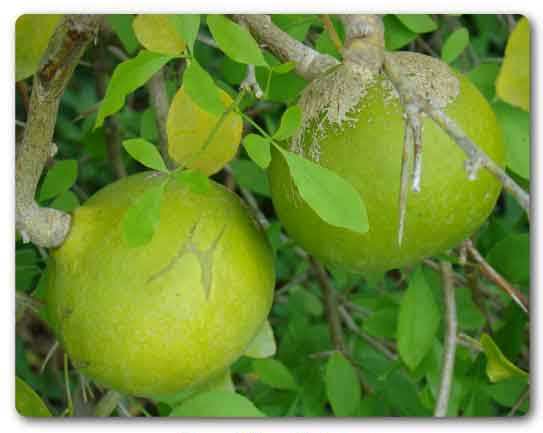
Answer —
(58, 179)
(273, 373)
(455, 44)
(342, 386)
(127, 77)
(201, 88)
(511, 257)
(258, 149)
(248, 175)
(141, 220)
(396, 34)
(333, 198)
(217, 404)
(290, 122)
(418, 320)
(236, 42)
(145, 153)
(187, 26)
(418, 23)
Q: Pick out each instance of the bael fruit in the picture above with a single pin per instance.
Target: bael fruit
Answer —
(168, 315)
(353, 124)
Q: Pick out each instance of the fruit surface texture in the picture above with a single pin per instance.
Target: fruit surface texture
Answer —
(359, 135)
(170, 314)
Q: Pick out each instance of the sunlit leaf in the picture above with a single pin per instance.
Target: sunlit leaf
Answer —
(145, 153)
(342, 386)
(59, 178)
(274, 373)
(217, 404)
(158, 33)
(498, 367)
(455, 44)
(290, 122)
(27, 402)
(258, 149)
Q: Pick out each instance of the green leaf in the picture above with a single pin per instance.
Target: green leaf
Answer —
(250, 176)
(236, 42)
(258, 149)
(67, 202)
(498, 367)
(142, 218)
(127, 77)
(469, 316)
(32, 35)
(331, 197)
(484, 77)
(273, 373)
(418, 320)
(513, 84)
(158, 33)
(418, 23)
(122, 26)
(511, 258)
(382, 323)
(396, 34)
(27, 402)
(290, 122)
(342, 386)
(455, 44)
(201, 88)
(515, 124)
(145, 153)
(187, 26)
(263, 345)
(507, 392)
(296, 25)
(284, 68)
(58, 179)
(148, 127)
(217, 404)
(197, 181)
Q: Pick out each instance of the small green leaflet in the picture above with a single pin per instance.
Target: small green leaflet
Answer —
(515, 124)
(122, 26)
(202, 89)
(58, 179)
(67, 202)
(27, 402)
(263, 345)
(274, 373)
(251, 176)
(418, 320)
(194, 179)
(236, 42)
(290, 122)
(418, 23)
(333, 198)
(187, 26)
(217, 404)
(127, 77)
(396, 34)
(142, 218)
(342, 386)
(145, 153)
(258, 149)
(455, 44)
(498, 367)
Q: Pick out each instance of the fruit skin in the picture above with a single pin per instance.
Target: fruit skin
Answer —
(137, 319)
(448, 208)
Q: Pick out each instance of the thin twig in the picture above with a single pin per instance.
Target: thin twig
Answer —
(49, 355)
(490, 273)
(331, 307)
(449, 346)
(520, 401)
(48, 227)
(309, 63)
(250, 83)
(158, 98)
(331, 30)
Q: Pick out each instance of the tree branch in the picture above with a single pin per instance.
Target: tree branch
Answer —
(44, 226)
(309, 63)
(364, 40)
(449, 347)
(158, 97)
(490, 273)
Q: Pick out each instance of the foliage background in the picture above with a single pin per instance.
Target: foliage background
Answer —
(304, 378)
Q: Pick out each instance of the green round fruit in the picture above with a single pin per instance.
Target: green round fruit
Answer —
(168, 315)
(353, 124)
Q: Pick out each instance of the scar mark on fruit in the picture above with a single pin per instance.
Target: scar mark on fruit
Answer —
(205, 259)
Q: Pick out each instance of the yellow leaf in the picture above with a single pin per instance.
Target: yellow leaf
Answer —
(498, 367)
(513, 83)
(195, 140)
(158, 34)
(32, 34)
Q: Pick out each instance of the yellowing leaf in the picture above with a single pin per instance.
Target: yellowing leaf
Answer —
(513, 84)
(196, 139)
(157, 33)
(498, 367)
(32, 34)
